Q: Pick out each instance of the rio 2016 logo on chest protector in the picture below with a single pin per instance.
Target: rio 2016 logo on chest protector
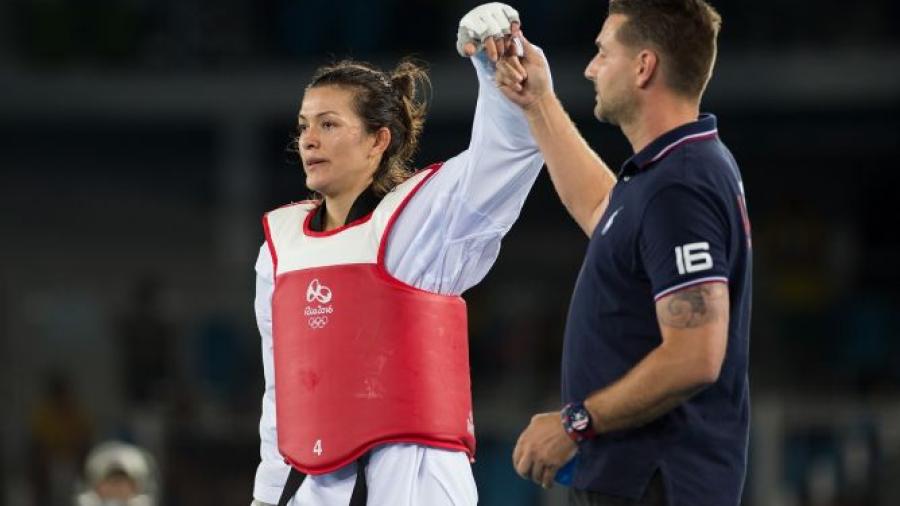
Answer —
(318, 315)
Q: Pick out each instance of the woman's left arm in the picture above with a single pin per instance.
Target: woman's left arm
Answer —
(449, 236)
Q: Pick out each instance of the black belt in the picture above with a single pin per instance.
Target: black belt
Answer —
(360, 489)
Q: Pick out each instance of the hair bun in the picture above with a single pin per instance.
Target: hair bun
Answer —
(407, 75)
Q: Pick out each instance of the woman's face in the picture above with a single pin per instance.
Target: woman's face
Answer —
(338, 155)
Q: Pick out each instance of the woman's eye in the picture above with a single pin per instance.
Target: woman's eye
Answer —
(301, 128)
(328, 124)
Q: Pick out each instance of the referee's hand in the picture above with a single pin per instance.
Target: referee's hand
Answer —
(542, 448)
(523, 78)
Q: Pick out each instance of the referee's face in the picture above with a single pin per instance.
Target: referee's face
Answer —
(610, 71)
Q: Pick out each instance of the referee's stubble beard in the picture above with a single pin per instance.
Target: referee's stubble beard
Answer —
(610, 71)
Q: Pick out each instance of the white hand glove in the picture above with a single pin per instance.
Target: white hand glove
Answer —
(487, 20)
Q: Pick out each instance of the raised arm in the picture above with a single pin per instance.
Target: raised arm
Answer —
(449, 235)
(581, 178)
(497, 170)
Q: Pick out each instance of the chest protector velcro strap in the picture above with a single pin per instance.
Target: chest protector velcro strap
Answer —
(362, 359)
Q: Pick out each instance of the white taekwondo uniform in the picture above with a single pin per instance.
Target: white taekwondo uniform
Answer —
(445, 241)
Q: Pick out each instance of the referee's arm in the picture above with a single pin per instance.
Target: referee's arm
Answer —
(581, 178)
(694, 327)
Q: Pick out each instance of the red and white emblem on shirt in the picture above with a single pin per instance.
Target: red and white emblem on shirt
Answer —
(318, 315)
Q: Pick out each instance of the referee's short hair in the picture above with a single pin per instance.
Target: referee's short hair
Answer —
(682, 32)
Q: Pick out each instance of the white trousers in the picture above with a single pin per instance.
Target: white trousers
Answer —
(397, 475)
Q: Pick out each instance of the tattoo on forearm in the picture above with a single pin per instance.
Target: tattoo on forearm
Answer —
(691, 307)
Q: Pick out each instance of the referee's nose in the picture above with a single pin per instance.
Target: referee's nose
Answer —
(590, 72)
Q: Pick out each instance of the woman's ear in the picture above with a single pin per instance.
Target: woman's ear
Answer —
(382, 141)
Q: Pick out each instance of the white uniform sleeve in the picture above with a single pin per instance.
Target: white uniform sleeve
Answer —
(448, 237)
(272, 471)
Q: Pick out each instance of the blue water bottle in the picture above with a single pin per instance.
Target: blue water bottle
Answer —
(567, 472)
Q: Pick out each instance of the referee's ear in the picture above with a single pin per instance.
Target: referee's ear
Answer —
(648, 63)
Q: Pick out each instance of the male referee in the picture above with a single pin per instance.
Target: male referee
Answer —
(654, 373)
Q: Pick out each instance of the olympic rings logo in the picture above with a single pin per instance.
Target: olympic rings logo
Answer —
(319, 292)
(318, 322)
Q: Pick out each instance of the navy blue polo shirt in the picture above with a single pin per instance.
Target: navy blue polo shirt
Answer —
(676, 218)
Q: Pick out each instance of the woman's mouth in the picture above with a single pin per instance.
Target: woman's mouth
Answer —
(311, 163)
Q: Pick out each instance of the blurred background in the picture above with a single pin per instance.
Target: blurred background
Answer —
(141, 141)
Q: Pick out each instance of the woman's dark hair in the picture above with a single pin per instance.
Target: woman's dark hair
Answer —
(396, 100)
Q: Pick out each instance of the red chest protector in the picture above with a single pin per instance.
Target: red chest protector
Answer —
(361, 359)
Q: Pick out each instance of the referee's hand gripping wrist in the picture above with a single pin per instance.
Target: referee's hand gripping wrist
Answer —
(524, 79)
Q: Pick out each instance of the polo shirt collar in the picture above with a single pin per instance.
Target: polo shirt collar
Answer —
(702, 129)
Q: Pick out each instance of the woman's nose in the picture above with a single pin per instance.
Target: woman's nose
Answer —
(308, 140)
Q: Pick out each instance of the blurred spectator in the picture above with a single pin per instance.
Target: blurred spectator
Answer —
(119, 474)
(864, 354)
(793, 247)
(146, 342)
(223, 359)
(61, 434)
